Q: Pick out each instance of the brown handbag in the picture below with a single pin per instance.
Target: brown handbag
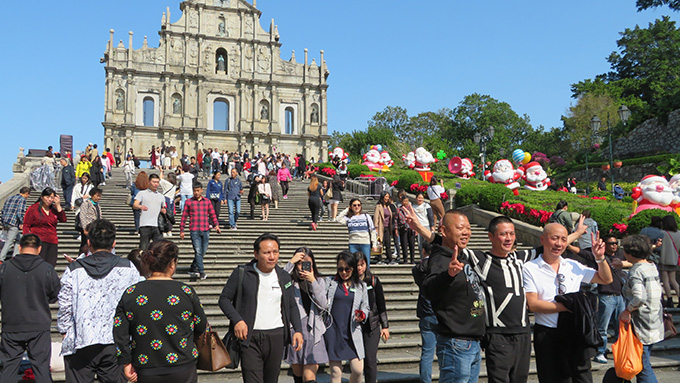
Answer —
(669, 329)
(212, 355)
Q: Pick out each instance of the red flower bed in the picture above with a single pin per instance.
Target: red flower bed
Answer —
(620, 227)
(329, 172)
(369, 177)
(521, 212)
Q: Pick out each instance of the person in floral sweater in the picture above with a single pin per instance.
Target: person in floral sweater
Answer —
(156, 322)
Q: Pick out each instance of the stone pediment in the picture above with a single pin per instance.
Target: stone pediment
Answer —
(226, 4)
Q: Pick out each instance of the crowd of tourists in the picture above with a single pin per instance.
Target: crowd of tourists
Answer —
(128, 319)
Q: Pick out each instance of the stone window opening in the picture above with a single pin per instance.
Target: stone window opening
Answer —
(176, 103)
(221, 61)
(221, 115)
(290, 120)
(148, 111)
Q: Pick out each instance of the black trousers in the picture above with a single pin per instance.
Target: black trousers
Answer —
(190, 375)
(216, 205)
(49, 252)
(39, 348)
(284, 187)
(387, 244)
(261, 360)
(314, 204)
(507, 357)
(371, 341)
(99, 359)
(407, 237)
(148, 234)
(555, 364)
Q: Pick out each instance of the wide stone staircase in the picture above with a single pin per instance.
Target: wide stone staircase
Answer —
(398, 358)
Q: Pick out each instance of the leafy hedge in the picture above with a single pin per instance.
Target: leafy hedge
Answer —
(492, 196)
(357, 170)
(468, 195)
(605, 216)
(643, 218)
(598, 193)
(657, 159)
(407, 179)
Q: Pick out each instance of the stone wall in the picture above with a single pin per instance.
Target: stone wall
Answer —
(650, 137)
(632, 173)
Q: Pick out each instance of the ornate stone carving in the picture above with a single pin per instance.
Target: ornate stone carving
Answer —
(264, 110)
(314, 117)
(120, 100)
(193, 52)
(193, 18)
(248, 62)
(263, 59)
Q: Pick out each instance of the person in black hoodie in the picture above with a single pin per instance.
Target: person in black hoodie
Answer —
(458, 302)
(28, 285)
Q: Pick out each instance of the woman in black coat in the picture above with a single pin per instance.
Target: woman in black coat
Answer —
(96, 172)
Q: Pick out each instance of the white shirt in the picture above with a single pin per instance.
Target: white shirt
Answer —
(421, 213)
(186, 183)
(268, 313)
(155, 202)
(435, 191)
(541, 278)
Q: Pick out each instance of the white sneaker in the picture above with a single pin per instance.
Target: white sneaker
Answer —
(600, 358)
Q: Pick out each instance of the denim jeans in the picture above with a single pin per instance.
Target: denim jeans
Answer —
(609, 306)
(429, 339)
(12, 244)
(647, 374)
(234, 211)
(199, 241)
(183, 199)
(364, 248)
(459, 360)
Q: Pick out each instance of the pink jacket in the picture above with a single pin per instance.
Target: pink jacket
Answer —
(284, 175)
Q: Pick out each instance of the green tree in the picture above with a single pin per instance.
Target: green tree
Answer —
(476, 113)
(577, 120)
(646, 4)
(394, 119)
(645, 71)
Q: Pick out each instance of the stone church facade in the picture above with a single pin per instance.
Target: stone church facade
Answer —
(217, 80)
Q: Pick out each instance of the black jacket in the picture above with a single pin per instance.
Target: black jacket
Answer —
(578, 326)
(424, 306)
(458, 302)
(68, 176)
(247, 308)
(376, 301)
(27, 286)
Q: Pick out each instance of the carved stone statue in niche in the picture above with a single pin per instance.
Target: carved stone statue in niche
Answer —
(221, 30)
(264, 112)
(120, 100)
(315, 114)
(221, 65)
(176, 105)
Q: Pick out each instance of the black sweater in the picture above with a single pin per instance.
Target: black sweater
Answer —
(246, 309)
(155, 325)
(27, 286)
(376, 301)
(458, 302)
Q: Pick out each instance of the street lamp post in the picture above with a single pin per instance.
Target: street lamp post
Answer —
(482, 140)
(624, 114)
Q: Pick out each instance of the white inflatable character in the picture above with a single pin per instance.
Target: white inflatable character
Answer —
(653, 192)
(466, 169)
(372, 160)
(423, 160)
(339, 153)
(409, 159)
(535, 177)
(504, 173)
(386, 159)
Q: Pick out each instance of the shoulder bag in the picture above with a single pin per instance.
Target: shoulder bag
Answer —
(329, 194)
(212, 355)
(231, 342)
(669, 330)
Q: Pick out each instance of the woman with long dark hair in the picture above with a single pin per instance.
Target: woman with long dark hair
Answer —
(338, 186)
(97, 171)
(434, 192)
(41, 219)
(385, 218)
(157, 320)
(377, 325)
(215, 192)
(314, 201)
(669, 258)
(141, 183)
(360, 228)
(347, 299)
(310, 297)
(81, 192)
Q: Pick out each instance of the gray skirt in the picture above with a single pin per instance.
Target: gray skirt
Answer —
(311, 353)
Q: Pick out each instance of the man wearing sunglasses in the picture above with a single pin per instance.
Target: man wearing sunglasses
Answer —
(546, 277)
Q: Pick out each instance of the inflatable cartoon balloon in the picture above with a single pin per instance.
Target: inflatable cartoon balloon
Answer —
(526, 159)
(386, 160)
(379, 148)
(653, 192)
(372, 159)
(535, 177)
(517, 156)
(462, 167)
(504, 173)
(339, 153)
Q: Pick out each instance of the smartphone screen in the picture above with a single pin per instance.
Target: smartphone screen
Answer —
(306, 266)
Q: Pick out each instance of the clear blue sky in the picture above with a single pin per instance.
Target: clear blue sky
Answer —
(422, 56)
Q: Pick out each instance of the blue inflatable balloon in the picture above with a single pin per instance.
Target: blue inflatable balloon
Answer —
(517, 156)
(378, 148)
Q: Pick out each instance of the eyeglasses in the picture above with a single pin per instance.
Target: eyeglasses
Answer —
(356, 205)
(612, 243)
(344, 269)
(561, 288)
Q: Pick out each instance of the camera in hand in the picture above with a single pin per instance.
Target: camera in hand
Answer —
(306, 266)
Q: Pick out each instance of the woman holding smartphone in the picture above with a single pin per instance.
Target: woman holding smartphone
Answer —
(41, 219)
(376, 326)
(347, 299)
(310, 297)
